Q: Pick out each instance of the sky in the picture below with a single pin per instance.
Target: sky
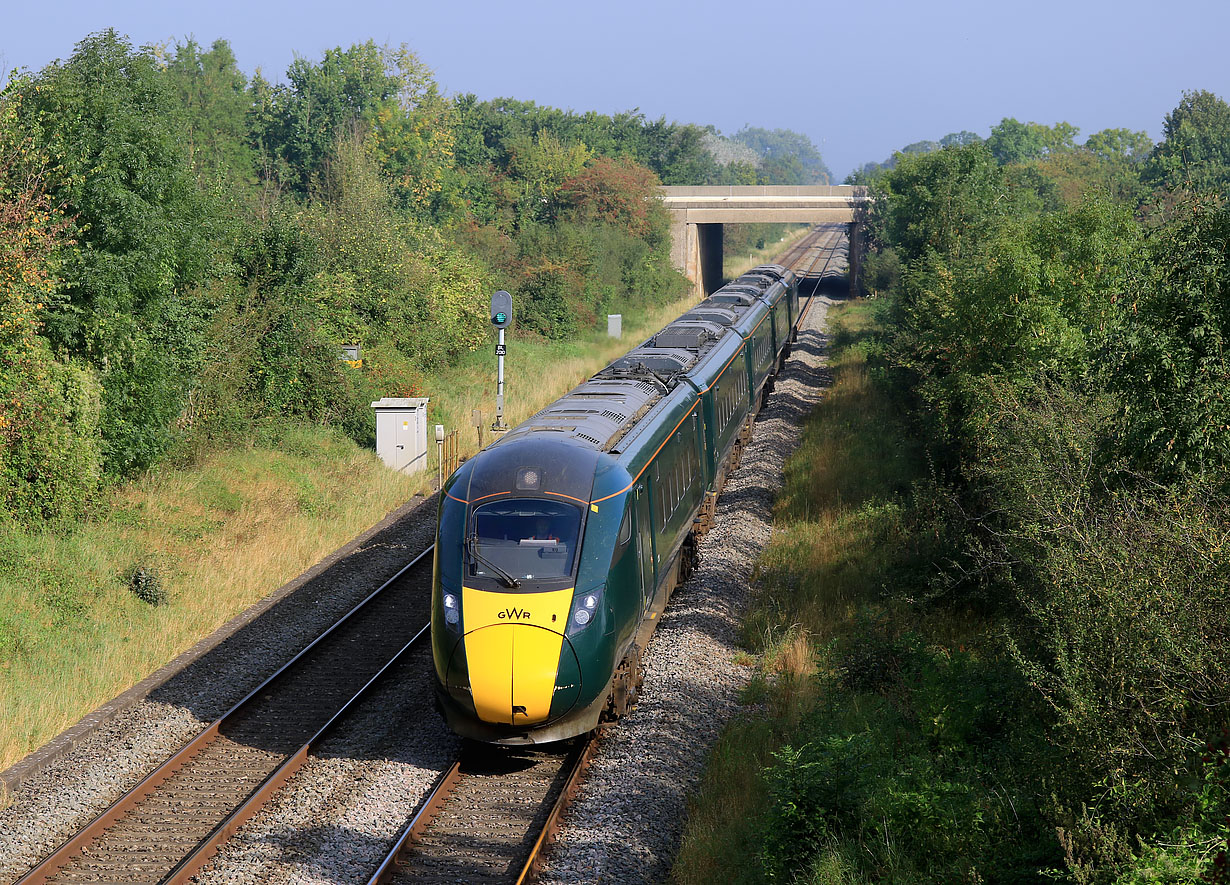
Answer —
(861, 78)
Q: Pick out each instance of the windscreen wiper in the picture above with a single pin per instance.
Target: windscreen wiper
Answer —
(472, 549)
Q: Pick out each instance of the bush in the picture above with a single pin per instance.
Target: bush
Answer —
(915, 782)
(50, 462)
(147, 586)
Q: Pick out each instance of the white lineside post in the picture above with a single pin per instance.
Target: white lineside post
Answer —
(440, 457)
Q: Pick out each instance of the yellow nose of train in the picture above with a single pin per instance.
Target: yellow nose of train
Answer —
(513, 643)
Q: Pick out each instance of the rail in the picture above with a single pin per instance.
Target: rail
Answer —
(524, 828)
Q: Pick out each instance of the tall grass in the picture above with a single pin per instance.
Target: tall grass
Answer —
(876, 717)
(211, 541)
(819, 566)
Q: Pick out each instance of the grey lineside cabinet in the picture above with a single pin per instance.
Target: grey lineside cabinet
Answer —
(401, 432)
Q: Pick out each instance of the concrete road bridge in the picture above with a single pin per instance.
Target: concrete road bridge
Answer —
(698, 213)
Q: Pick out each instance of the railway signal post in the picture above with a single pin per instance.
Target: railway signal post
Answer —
(501, 316)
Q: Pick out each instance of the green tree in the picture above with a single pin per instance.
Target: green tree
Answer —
(1195, 147)
(1170, 357)
(921, 147)
(1120, 144)
(960, 139)
(307, 117)
(676, 153)
(942, 201)
(538, 168)
(215, 101)
(112, 130)
(778, 147)
(1014, 142)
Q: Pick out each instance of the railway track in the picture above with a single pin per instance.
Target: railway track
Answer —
(169, 825)
(823, 244)
(488, 818)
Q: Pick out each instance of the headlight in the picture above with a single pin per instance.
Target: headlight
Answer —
(452, 610)
(585, 609)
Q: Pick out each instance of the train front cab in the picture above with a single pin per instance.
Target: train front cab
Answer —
(531, 663)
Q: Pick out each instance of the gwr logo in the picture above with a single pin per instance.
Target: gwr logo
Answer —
(516, 614)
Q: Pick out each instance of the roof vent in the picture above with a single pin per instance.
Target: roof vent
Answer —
(688, 337)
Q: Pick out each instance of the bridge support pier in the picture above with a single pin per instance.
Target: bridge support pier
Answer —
(696, 249)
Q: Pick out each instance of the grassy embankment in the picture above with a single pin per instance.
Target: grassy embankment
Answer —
(222, 534)
(856, 761)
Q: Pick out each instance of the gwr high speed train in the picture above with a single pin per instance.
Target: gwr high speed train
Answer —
(559, 545)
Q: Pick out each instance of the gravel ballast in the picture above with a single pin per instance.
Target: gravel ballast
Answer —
(627, 820)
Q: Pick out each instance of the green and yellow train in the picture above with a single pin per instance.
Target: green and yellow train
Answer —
(559, 545)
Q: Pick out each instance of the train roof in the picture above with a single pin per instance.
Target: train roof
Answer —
(690, 332)
(595, 413)
(712, 313)
(787, 276)
(599, 413)
(759, 280)
(734, 296)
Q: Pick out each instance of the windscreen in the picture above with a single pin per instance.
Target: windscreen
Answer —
(527, 538)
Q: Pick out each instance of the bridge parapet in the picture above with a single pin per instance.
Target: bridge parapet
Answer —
(856, 192)
(698, 213)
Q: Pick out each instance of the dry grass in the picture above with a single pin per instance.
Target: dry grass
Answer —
(833, 520)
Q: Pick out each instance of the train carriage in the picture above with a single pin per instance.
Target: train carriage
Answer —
(558, 546)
